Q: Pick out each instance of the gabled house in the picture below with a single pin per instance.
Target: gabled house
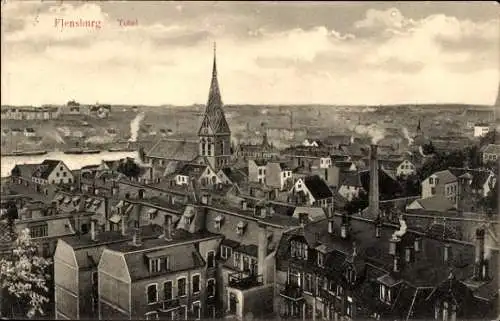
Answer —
(442, 183)
(257, 171)
(203, 175)
(350, 185)
(490, 153)
(313, 191)
(52, 172)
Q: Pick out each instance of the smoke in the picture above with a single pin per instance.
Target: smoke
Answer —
(58, 138)
(134, 127)
(407, 136)
(375, 132)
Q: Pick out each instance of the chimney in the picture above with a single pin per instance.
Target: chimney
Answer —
(354, 249)
(378, 226)
(418, 244)
(262, 253)
(447, 253)
(94, 231)
(244, 205)
(330, 226)
(373, 197)
(396, 264)
(123, 226)
(167, 228)
(263, 212)
(136, 237)
(481, 272)
(344, 227)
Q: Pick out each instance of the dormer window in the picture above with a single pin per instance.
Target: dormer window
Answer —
(218, 222)
(298, 250)
(225, 251)
(154, 265)
(321, 259)
(240, 228)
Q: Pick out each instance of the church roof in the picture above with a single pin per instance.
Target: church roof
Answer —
(214, 117)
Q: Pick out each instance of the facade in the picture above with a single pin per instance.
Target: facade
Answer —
(442, 183)
(265, 150)
(491, 153)
(340, 269)
(257, 171)
(48, 172)
(30, 113)
(278, 175)
(405, 168)
(481, 129)
(214, 133)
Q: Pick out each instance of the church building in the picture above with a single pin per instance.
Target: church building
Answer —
(214, 134)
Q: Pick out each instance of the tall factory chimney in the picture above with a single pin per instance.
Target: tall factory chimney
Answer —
(373, 197)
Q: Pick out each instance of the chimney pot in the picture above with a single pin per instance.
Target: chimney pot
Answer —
(123, 226)
(330, 227)
(343, 231)
(167, 227)
(94, 232)
(136, 237)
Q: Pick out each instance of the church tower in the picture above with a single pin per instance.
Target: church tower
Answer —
(214, 134)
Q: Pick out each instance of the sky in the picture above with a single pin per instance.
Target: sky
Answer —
(335, 53)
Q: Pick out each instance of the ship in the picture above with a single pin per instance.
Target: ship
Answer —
(26, 153)
(81, 151)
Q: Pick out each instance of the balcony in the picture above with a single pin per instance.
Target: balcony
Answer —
(292, 292)
(170, 304)
(241, 281)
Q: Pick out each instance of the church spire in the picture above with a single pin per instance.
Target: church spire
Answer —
(214, 97)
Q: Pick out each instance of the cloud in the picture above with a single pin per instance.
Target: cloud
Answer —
(385, 57)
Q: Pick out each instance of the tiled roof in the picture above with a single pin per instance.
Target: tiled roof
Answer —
(445, 177)
(26, 170)
(435, 203)
(182, 257)
(388, 186)
(192, 170)
(45, 168)
(492, 149)
(171, 149)
(318, 187)
(350, 179)
(235, 175)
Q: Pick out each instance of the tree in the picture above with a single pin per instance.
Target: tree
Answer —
(358, 203)
(23, 278)
(490, 202)
(410, 184)
(129, 168)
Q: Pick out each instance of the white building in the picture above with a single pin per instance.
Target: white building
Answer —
(481, 130)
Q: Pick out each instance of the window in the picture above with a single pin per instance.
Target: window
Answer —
(212, 312)
(181, 287)
(385, 294)
(196, 283)
(152, 316)
(225, 252)
(237, 257)
(298, 250)
(197, 310)
(349, 307)
(167, 290)
(321, 259)
(65, 174)
(39, 231)
(431, 180)
(308, 284)
(57, 174)
(340, 290)
(45, 250)
(211, 288)
(246, 263)
(211, 259)
(154, 265)
(152, 293)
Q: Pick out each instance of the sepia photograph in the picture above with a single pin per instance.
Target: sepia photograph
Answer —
(250, 160)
